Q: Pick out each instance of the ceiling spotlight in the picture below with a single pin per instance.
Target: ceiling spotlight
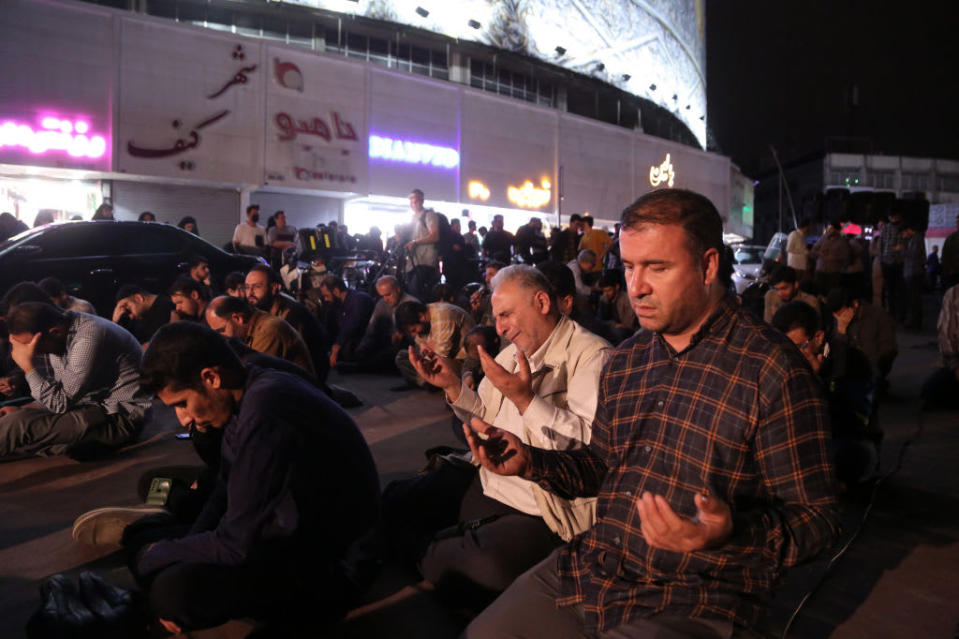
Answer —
(687, 107)
(423, 12)
(675, 97)
(474, 24)
(626, 77)
(652, 87)
(560, 51)
(702, 117)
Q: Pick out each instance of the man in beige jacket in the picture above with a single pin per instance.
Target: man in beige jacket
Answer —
(543, 388)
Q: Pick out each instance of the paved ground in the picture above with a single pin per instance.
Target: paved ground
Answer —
(899, 578)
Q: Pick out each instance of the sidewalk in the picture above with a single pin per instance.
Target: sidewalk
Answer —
(900, 578)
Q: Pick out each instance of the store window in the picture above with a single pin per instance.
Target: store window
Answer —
(59, 199)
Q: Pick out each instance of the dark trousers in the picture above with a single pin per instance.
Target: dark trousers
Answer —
(84, 432)
(487, 558)
(528, 609)
(893, 285)
(913, 301)
(941, 390)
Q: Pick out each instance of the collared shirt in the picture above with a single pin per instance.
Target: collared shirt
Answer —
(448, 327)
(738, 415)
(245, 235)
(949, 329)
(891, 244)
(383, 315)
(100, 366)
(354, 315)
(564, 406)
(772, 302)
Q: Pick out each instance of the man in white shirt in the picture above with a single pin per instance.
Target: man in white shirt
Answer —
(543, 388)
(797, 252)
(249, 237)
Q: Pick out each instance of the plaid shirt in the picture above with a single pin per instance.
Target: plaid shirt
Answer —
(449, 325)
(737, 414)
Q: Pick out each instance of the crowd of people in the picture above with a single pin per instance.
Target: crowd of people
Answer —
(641, 455)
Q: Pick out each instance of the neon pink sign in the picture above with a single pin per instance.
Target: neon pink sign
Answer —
(55, 135)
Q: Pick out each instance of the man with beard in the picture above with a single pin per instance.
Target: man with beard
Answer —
(264, 333)
(190, 298)
(264, 291)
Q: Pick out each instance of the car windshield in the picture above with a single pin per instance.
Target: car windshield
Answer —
(748, 255)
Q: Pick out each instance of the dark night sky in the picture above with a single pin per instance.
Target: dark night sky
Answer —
(783, 73)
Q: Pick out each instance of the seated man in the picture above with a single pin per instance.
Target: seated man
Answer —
(784, 287)
(543, 389)
(708, 457)
(264, 290)
(199, 269)
(872, 330)
(581, 267)
(270, 538)
(942, 388)
(848, 383)
(142, 312)
(265, 333)
(439, 326)
(235, 284)
(614, 307)
(353, 310)
(58, 293)
(82, 374)
(570, 304)
(190, 298)
(382, 340)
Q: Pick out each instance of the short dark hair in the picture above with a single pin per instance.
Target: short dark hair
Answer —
(226, 305)
(252, 207)
(272, 277)
(418, 192)
(185, 285)
(179, 351)
(22, 292)
(333, 283)
(491, 341)
(695, 213)
(34, 317)
(129, 290)
(793, 315)
(611, 278)
(839, 298)
(52, 286)
(575, 217)
(782, 273)
(588, 219)
(195, 259)
(408, 313)
(234, 279)
(146, 214)
(495, 264)
(560, 278)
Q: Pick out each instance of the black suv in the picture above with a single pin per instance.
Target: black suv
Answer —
(93, 259)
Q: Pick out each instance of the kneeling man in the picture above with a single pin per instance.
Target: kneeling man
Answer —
(297, 486)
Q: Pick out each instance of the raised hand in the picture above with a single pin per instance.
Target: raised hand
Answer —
(22, 352)
(497, 450)
(516, 387)
(436, 370)
(666, 530)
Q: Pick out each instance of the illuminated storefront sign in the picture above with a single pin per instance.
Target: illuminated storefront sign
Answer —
(662, 174)
(478, 191)
(413, 152)
(529, 196)
(55, 135)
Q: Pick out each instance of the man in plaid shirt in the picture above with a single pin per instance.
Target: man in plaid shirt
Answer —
(709, 457)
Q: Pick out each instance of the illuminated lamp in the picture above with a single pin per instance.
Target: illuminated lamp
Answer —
(527, 196)
(410, 152)
(474, 24)
(662, 174)
(560, 51)
(423, 12)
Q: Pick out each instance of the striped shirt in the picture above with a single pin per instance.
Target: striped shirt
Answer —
(738, 415)
(99, 366)
(449, 325)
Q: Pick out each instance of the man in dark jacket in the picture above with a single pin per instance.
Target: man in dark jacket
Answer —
(270, 538)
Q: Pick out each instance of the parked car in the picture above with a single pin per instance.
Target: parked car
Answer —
(747, 264)
(93, 259)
